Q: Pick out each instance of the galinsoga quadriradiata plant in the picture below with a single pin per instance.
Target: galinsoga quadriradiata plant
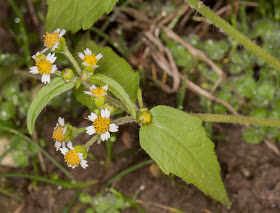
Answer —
(107, 85)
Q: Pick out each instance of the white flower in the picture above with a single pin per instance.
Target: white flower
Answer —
(45, 67)
(101, 125)
(97, 91)
(58, 134)
(52, 40)
(72, 157)
(89, 58)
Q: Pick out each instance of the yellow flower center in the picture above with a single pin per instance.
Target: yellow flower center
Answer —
(58, 134)
(44, 67)
(99, 91)
(90, 60)
(72, 157)
(146, 118)
(51, 39)
(101, 125)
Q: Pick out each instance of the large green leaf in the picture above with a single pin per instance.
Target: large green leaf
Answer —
(112, 65)
(116, 89)
(179, 145)
(76, 14)
(43, 97)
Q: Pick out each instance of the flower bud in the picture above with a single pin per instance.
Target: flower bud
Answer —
(39, 57)
(67, 74)
(144, 117)
(99, 101)
(81, 149)
(109, 107)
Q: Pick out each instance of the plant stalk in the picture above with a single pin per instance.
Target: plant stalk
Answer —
(227, 28)
(67, 53)
(124, 120)
(238, 119)
(91, 141)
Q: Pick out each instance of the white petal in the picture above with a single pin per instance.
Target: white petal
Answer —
(95, 66)
(57, 30)
(55, 46)
(64, 130)
(85, 64)
(51, 57)
(113, 128)
(63, 144)
(105, 136)
(105, 113)
(99, 56)
(70, 146)
(34, 56)
(92, 87)
(44, 50)
(57, 145)
(88, 51)
(90, 130)
(61, 121)
(87, 92)
(81, 55)
(46, 79)
(106, 87)
(54, 68)
(84, 164)
(34, 70)
(63, 150)
(81, 156)
(62, 32)
(92, 117)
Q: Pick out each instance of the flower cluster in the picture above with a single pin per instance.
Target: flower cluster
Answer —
(74, 156)
(55, 42)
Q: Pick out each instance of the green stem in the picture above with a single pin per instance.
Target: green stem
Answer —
(124, 120)
(13, 131)
(91, 141)
(139, 97)
(128, 170)
(109, 146)
(23, 31)
(227, 28)
(7, 193)
(72, 60)
(62, 183)
(79, 131)
(238, 119)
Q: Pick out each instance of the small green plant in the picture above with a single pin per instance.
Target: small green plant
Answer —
(107, 85)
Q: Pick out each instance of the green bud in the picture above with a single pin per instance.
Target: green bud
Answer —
(67, 74)
(97, 112)
(144, 117)
(99, 101)
(40, 57)
(81, 149)
(84, 76)
(110, 107)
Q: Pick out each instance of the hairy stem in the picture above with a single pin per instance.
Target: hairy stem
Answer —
(116, 103)
(238, 119)
(79, 131)
(67, 53)
(91, 141)
(124, 120)
(227, 28)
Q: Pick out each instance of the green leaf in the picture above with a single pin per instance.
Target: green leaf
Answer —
(112, 65)
(43, 97)
(75, 14)
(179, 145)
(116, 89)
